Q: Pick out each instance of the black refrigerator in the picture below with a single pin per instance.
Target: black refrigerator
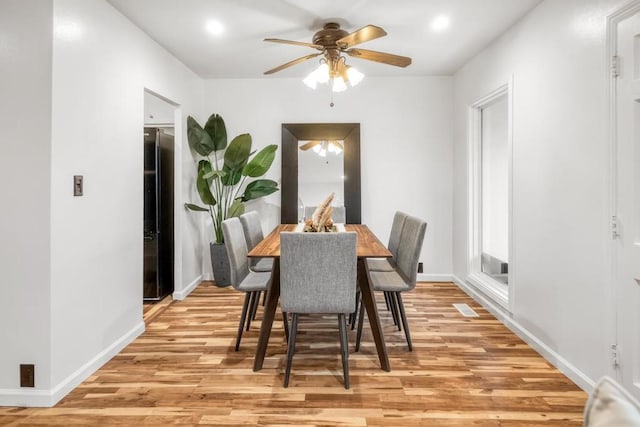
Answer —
(158, 213)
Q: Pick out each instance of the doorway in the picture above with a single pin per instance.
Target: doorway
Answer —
(159, 177)
(625, 219)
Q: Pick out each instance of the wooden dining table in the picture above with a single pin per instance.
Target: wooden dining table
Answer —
(368, 246)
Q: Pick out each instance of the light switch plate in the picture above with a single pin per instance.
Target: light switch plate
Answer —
(77, 185)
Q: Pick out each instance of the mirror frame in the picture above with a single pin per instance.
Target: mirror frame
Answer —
(292, 133)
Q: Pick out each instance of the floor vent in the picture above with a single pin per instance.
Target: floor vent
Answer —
(465, 310)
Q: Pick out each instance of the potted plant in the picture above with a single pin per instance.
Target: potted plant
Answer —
(222, 181)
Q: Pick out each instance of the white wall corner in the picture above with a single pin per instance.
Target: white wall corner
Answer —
(567, 368)
(182, 294)
(48, 398)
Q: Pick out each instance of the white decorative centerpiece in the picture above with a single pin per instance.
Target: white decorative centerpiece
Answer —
(321, 219)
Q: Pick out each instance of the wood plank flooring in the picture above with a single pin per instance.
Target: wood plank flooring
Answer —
(183, 370)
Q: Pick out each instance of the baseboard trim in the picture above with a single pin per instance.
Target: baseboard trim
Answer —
(423, 277)
(183, 293)
(48, 398)
(563, 365)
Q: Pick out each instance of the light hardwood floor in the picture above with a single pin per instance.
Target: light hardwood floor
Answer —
(183, 370)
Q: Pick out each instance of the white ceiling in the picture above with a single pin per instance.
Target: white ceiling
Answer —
(240, 52)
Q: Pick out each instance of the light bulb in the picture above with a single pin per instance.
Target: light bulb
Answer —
(337, 149)
(339, 85)
(311, 80)
(322, 73)
(354, 75)
(323, 153)
(332, 148)
(316, 148)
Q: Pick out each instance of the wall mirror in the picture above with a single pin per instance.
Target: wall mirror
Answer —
(318, 159)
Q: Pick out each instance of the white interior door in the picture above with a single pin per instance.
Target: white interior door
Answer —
(627, 243)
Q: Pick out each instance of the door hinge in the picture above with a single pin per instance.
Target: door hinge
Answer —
(614, 356)
(615, 63)
(614, 227)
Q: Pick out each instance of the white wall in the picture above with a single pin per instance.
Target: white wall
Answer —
(406, 133)
(25, 120)
(556, 56)
(90, 97)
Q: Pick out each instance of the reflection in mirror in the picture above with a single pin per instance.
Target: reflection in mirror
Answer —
(315, 140)
(320, 173)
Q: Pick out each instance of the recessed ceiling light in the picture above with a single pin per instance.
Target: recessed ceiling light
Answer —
(441, 23)
(214, 27)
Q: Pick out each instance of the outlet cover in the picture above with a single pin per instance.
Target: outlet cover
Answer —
(27, 375)
(420, 268)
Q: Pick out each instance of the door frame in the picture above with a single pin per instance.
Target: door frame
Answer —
(178, 208)
(483, 282)
(611, 302)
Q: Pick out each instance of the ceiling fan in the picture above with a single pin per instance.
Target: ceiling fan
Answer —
(332, 42)
(323, 146)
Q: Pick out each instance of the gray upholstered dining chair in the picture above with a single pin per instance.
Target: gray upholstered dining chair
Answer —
(404, 277)
(253, 235)
(242, 279)
(318, 275)
(384, 264)
(339, 214)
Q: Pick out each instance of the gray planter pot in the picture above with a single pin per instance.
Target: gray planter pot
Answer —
(220, 264)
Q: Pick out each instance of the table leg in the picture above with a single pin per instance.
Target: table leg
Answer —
(369, 302)
(270, 307)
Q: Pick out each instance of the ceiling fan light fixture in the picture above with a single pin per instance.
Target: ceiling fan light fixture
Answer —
(322, 73)
(319, 75)
(338, 84)
(354, 75)
(311, 81)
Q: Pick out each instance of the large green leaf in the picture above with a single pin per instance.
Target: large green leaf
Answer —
(261, 163)
(199, 139)
(259, 188)
(217, 130)
(203, 184)
(193, 207)
(237, 153)
(230, 177)
(236, 209)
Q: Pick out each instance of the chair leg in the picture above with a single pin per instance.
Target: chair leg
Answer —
(360, 322)
(285, 322)
(344, 348)
(386, 299)
(354, 316)
(264, 298)
(405, 324)
(291, 348)
(245, 306)
(394, 309)
(252, 303)
(254, 309)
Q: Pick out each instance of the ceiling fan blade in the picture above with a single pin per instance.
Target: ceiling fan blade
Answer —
(362, 35)
(291, 63)
(385, 58)
(309, 144)
(337, 144)
(295, 43)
